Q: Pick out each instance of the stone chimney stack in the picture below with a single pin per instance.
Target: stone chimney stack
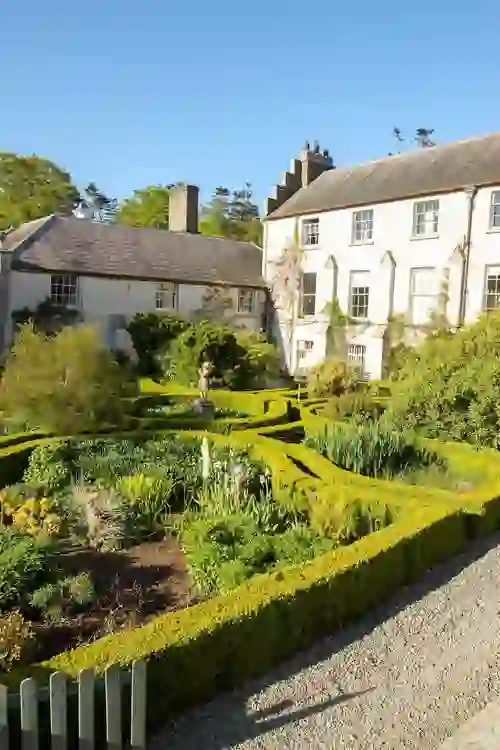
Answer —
(311, 163)
(183, 209)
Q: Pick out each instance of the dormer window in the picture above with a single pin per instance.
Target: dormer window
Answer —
(310, 232)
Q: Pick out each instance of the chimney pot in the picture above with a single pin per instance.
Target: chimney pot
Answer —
(183, 209)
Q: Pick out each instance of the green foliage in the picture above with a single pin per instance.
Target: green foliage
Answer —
(49, 467)
(152, 334)
(332, 377)
(452, 388)
(26, 562)
(207, 342)
(148, 503)
(16, 640)
(78, 385)
(336, 331)
(336, 516)
(373, 449)
(356, 406)
(232, 215)
(260, 362)
(148, 207)
(63, 597)
(32, 187)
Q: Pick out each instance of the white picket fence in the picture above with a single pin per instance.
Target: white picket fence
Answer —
(60, 688)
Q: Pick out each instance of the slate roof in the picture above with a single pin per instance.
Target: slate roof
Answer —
(426, 171)
(86, 247)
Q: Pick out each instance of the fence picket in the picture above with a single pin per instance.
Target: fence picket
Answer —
(58, 711)
(86, 720)
(113, 708)
(58, 693)
(4, 718)
(138, 707)
(29, 714)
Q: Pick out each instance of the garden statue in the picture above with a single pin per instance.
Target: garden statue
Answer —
(203, 383)
(204, 407)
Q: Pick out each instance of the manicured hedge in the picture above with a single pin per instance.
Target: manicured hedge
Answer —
(195, 652)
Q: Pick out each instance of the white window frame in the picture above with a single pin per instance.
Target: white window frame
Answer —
(495, 211)
(356, 356)
(308, 295)
(310, 232)
(362, 227)
(356, 297)
(246, 301)
(303, 347)
(491, 272)
(65, 289)
(426, 218)
(167, 295)
(415, 294)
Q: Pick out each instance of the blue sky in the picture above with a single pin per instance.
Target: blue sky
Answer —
(135, 93)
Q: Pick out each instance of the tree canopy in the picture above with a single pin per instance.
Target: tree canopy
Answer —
(32, 187)
(233, 215)
(147, 207)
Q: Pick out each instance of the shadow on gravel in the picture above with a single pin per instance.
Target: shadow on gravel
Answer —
(231, 725)
(243, 727)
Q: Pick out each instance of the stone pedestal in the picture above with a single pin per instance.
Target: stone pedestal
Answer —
(204, 408)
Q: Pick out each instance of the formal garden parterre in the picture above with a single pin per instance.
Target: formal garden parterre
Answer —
(213, 548)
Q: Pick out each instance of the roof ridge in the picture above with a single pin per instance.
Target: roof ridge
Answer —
(416, 153)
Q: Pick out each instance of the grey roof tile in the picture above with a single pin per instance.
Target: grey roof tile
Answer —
(426, 171)
(82, 246)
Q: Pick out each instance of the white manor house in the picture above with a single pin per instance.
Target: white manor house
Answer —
(399, 237)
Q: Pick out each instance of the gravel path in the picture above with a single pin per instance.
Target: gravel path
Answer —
(406, 676)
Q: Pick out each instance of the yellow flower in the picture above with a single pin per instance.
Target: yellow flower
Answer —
(20, 517)
(44, 506)
(52, 524)
(31, 504)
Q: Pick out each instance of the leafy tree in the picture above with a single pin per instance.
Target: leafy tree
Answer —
(208, 342)
(104, 208)
(233, 215)
(152, 334)
(78, 386)
(32, 187)
(451, 388)
(148, 207)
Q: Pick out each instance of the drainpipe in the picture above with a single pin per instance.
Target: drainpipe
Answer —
(470, 193)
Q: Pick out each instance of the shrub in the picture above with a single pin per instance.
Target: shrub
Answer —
(331, 378)
(78, 385)
(50, 467)
(152, 335)
(26, 562)
(16, 640)
(452, 389)
(65, 596)
(260, 361)
(355, 406)
(147, 502)
(209, 342)
(372, 449)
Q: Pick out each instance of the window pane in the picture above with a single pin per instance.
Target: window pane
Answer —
(423, 281)
(492, 291)
(310, 232)
(308, 304)
(309, 283)
(64, 289)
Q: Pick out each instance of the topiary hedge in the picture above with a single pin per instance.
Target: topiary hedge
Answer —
(220, 642)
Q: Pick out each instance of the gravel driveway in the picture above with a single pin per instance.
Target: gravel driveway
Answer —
(406, 676)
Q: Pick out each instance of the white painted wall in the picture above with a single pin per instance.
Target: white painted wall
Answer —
(392, 231)
(102, 297)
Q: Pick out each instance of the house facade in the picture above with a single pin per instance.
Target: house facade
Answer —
(108, 273)
(411, 238)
